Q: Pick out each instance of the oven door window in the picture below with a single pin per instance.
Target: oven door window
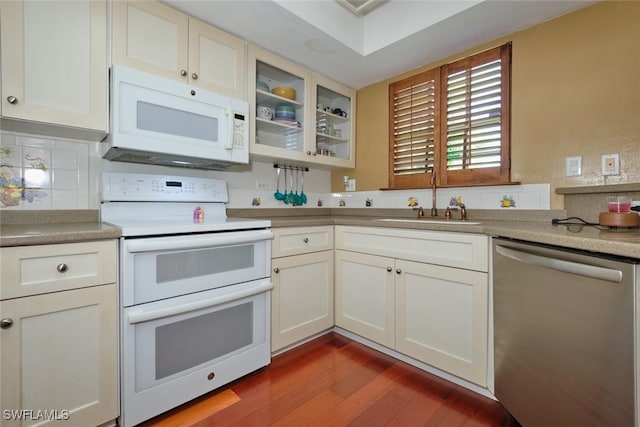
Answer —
(165, 274)
(171, 347)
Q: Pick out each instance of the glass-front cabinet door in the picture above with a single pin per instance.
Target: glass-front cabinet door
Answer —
(334, 133)
(278, 94)
(298, 115)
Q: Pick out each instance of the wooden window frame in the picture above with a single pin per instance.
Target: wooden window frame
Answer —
(436, 160)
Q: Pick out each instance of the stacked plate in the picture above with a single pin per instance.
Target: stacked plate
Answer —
(285, 112)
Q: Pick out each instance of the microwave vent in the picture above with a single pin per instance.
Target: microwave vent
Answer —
(133, 156)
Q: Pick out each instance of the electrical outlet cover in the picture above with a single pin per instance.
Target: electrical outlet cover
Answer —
(610, 164)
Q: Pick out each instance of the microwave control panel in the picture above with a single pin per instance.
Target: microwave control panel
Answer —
(239, 131)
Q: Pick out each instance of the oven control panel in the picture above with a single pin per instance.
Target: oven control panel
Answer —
(161, 188)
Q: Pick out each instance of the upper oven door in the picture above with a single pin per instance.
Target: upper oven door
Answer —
(163, 267)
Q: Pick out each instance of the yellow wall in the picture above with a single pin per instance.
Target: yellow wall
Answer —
(575, 92)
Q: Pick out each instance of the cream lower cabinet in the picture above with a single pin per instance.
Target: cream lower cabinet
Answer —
(442, 318)
(54, 67)
(433, 313)
(302, 296)
(59, 349)
(365, 296)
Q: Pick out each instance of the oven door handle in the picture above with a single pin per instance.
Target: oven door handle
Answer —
(146, 316)
(197, 242)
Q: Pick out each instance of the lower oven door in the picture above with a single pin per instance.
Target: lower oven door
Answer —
(180, 348)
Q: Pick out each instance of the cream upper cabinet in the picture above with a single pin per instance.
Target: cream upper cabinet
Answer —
(54, 66)
(273, 137)
(334, 136)
(152, 37)
(301, 133)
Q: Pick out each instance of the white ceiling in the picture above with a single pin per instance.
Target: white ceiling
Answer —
(357, 51)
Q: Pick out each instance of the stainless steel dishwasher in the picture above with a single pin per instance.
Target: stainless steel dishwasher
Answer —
(563, 335)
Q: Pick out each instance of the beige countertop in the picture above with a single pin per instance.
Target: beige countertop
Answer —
(24, 228)
(54, 227)
(44, 234)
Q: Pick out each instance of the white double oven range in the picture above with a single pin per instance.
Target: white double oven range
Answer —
(195, 290)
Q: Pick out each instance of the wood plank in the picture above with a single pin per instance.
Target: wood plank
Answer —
(334, 381)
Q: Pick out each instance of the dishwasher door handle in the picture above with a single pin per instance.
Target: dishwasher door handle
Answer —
(586, 270)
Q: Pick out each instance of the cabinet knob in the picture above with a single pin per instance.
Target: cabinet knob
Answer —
(183, 73)
(276, 270)
(194, 76)
(389, 269)
(306, 240)
(6, 323)
(211, 376)
(309, 153)
(193, 92)
(62, 268)
(12, 99)
(398, 271)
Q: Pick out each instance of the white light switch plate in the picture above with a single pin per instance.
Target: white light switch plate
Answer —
(574, 166)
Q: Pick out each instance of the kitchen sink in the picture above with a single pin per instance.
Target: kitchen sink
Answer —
(432, 221)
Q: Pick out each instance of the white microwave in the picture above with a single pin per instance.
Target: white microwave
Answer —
(155, 120)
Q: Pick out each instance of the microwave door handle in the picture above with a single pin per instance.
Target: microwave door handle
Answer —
(228, 143)
(147, 316)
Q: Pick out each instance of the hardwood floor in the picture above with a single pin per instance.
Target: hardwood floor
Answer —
(334, 381)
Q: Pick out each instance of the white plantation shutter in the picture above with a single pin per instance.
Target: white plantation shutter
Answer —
(455, 118)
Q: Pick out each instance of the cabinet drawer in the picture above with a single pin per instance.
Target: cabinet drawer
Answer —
(31, 270)
(460, 250)
(301, 240)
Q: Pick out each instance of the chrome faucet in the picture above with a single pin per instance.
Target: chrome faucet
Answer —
(434, 211)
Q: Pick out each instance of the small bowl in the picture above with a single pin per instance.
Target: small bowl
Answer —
(619, 204)
(260, 85)
(285, 92)
(264, 112)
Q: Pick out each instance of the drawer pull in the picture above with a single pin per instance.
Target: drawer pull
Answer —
(306, 240)
(62, 268)
(276, 270)
(6, 323)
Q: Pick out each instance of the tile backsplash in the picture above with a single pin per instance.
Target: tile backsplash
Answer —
(524, 196)
(46, 173)
(37, 173)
